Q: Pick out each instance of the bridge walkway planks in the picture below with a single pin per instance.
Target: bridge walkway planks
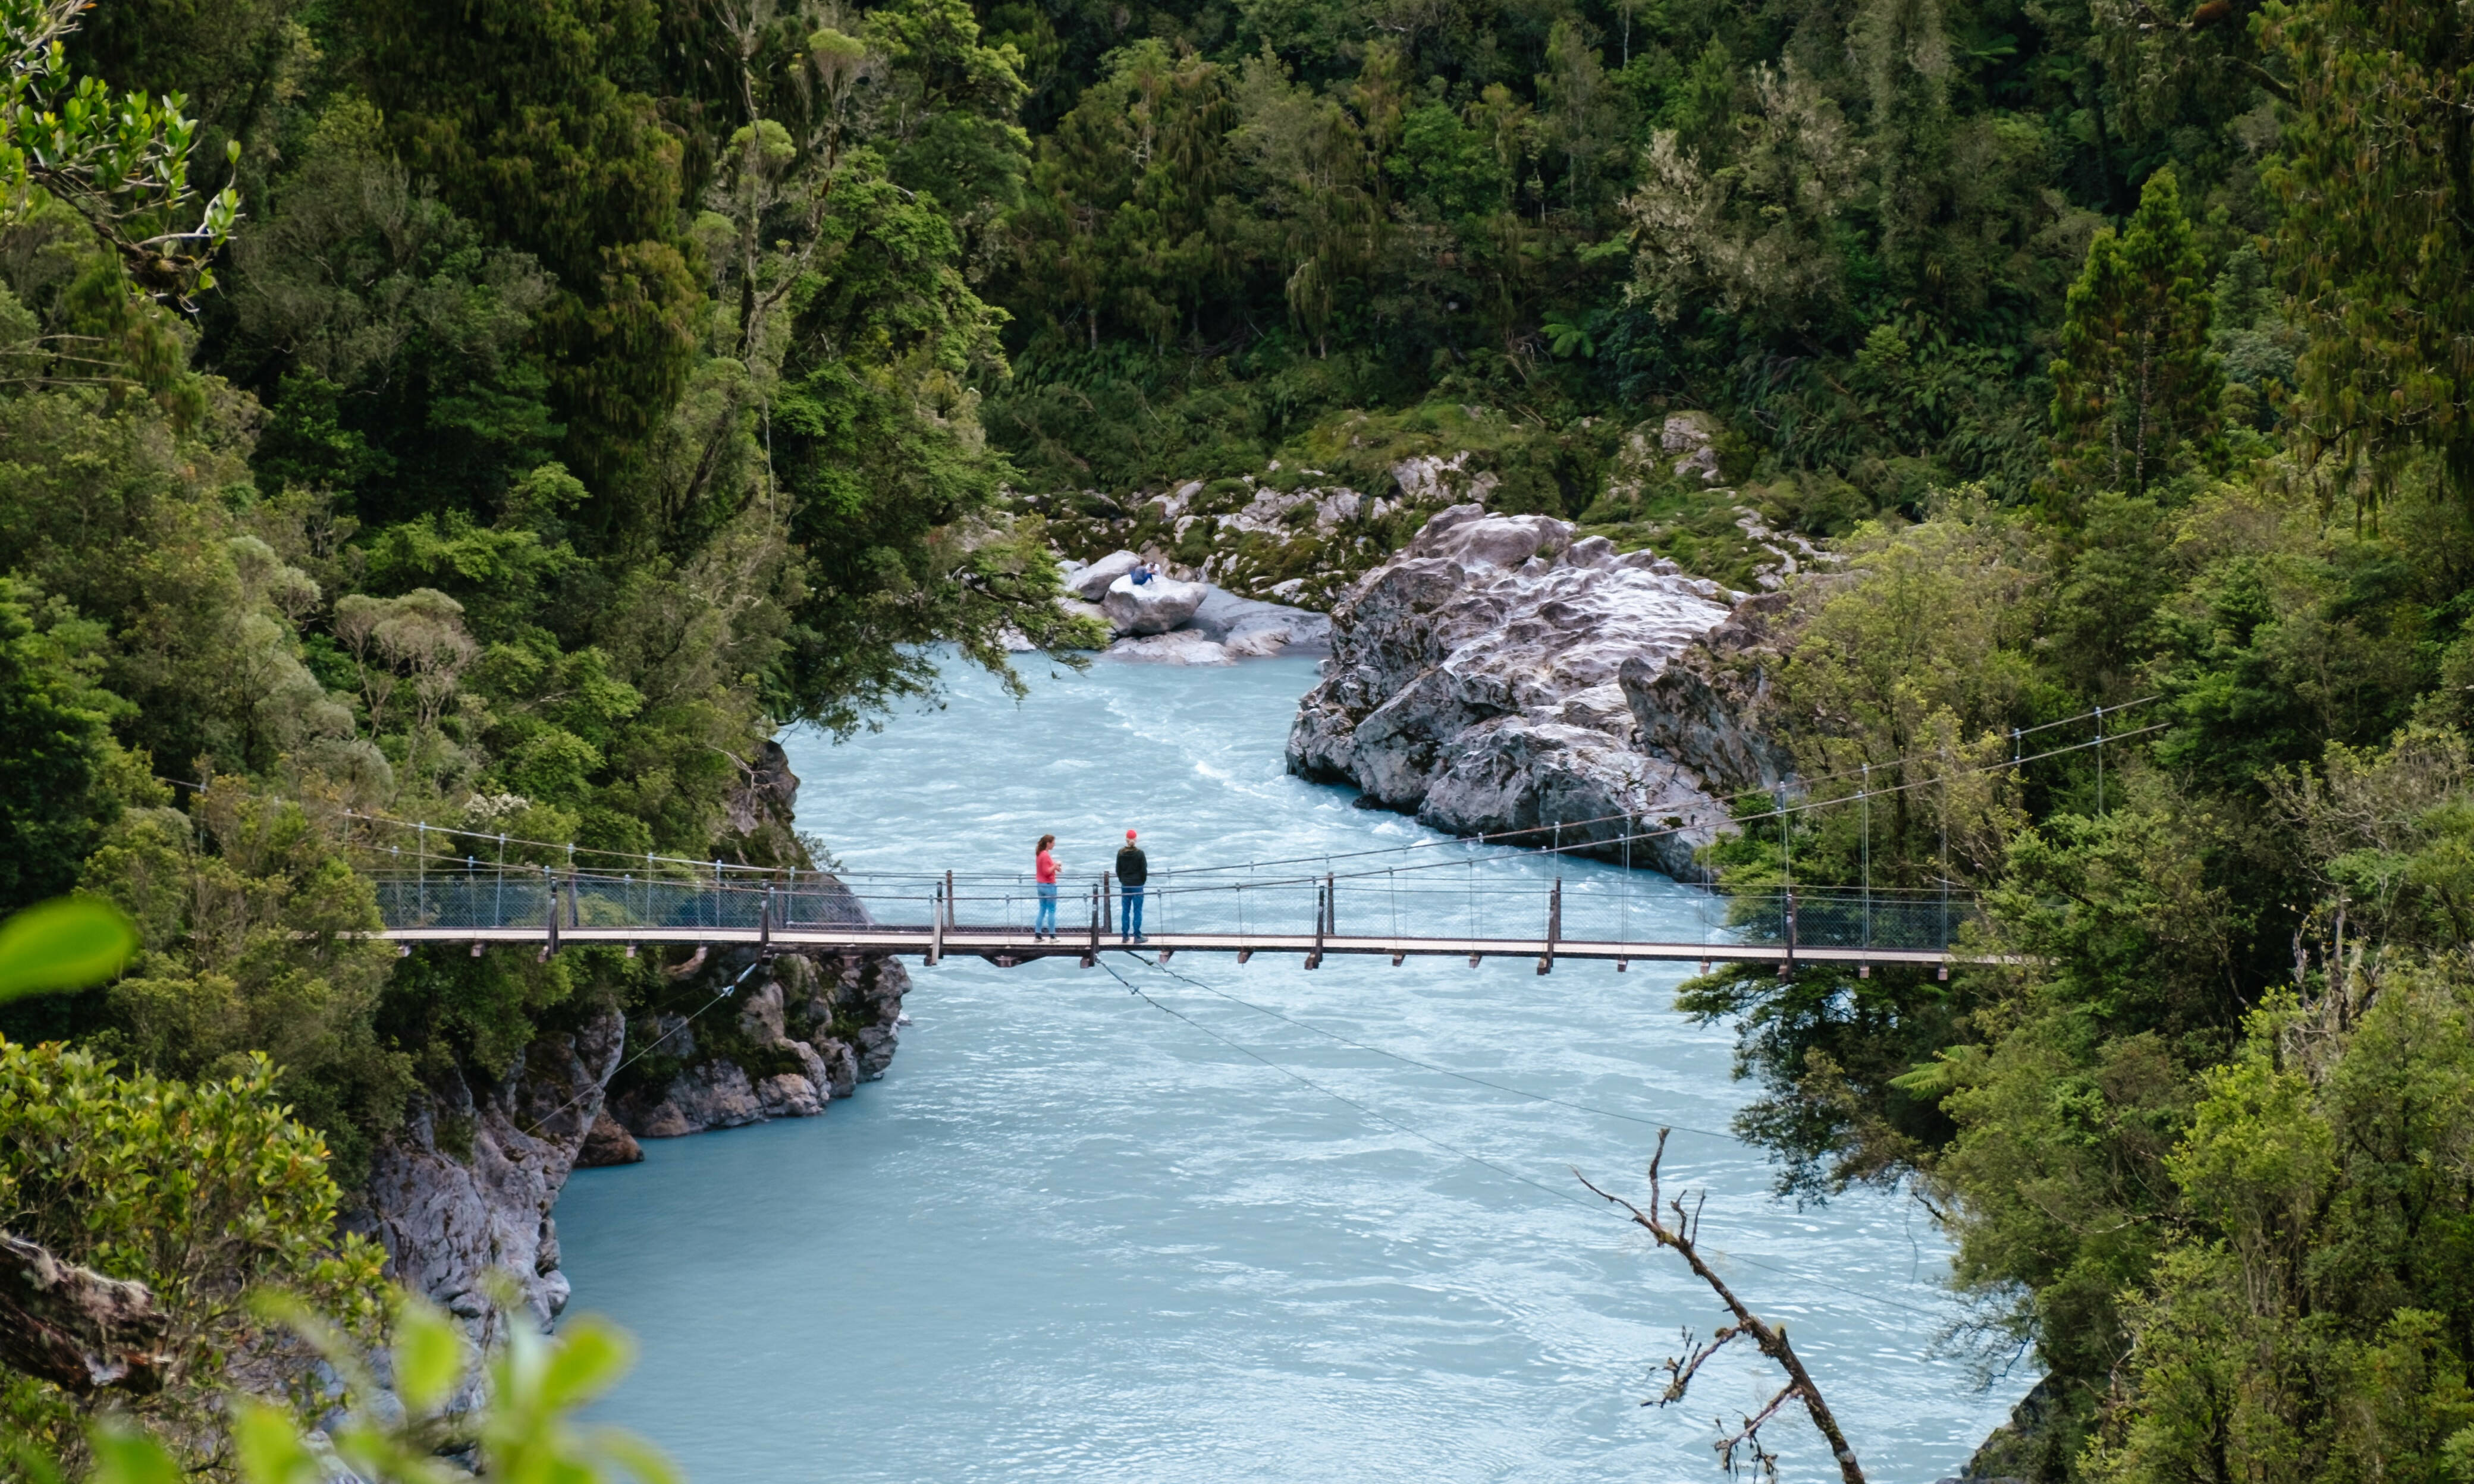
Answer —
(1018, 945)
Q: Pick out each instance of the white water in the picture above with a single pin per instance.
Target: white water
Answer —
(1070, 1236)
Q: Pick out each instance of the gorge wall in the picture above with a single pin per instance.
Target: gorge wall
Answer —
(469, 1185)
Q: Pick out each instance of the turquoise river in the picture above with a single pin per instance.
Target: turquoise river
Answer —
(1077, 1236)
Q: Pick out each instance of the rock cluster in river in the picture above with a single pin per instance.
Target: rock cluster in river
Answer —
(1169, 621)
(1499, 675)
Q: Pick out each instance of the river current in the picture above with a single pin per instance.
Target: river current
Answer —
(1077, 1236)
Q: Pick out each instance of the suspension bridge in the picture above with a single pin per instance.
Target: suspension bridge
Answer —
(1469, 907)
(1487, 915)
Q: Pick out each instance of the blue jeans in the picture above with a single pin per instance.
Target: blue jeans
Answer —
(1130, 916)
(1046, 919)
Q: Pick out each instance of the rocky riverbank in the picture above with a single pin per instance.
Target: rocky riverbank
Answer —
(469, 1186)
(1504, 672)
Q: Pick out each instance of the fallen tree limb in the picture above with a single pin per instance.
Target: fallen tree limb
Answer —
(75, 1327)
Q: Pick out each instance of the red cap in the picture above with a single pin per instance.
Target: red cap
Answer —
(1130, 834)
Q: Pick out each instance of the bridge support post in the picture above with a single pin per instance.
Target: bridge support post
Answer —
(1322, 920)
(949, 900)
(1786, 964)
(1322, 914)
(551, 945)
(1554, 925)
(1091, 955)
(936, 924)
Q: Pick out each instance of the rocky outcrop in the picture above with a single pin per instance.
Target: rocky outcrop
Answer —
(1091, 583)
(1299, 536)
(1247, 627)
(1168, 621)
(1708, 707)
(1153, 607)
(808, 1030)
(466, 1188)
(1501, 676)
(2031, 1443)
(608, 1144)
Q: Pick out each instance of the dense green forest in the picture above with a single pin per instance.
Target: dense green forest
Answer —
(508, 414)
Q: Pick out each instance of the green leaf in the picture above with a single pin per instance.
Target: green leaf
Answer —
(590, 1356)
(66, 943)
(271, 1450)
(125, 1455)
(428, 1355)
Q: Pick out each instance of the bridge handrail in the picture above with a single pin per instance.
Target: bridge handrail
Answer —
(1831, 915)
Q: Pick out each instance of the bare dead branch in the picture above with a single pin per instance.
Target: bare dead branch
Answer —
(1682, 1235)
(1680, 1371)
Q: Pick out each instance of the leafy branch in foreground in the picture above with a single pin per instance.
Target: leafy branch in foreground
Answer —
(525, 1431)
(121, 162)
(1679, 1228)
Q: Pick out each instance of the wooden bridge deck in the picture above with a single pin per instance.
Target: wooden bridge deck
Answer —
(1009, 946)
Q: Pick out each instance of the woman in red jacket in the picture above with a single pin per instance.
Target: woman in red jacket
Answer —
(1043, 866)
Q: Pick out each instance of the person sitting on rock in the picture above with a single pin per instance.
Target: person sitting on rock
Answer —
(1142, 573)
(1132, 871)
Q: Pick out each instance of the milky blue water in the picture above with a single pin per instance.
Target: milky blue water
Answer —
(1074, 1237)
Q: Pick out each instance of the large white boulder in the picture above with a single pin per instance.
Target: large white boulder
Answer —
(1488, 678)
(1249, 627)
(1154, 607)
(1091, 581)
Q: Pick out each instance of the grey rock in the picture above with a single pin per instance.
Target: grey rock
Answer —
(466, 1186)
(1092, 580)
(1154, 607)
(2023, 1446)
(1486, 679)
(1090, 611)
(841, 1066)
(1691, 435)
(717, 1094)
(1708, 707)
(838, 1015)
(789, 1096)
(767, 795)
(1515, 773)
(608, 1144)
(761, 1014)
(1181, 646)
(1249, 627)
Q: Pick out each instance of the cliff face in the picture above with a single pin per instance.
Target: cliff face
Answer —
(468, 1186)
(1499, 675)
(805, 1031)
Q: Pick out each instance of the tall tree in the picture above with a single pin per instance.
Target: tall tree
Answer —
(2135, 390)
(525, 116)
(2376, 176)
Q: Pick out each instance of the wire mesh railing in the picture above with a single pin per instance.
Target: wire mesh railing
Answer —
(1479, 908)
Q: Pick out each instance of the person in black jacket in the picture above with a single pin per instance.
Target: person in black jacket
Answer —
(1132, 871)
